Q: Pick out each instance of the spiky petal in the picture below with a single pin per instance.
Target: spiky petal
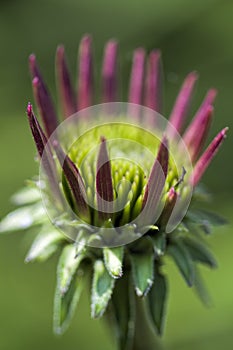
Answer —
(207, 157)
(109, 72)
(181, 106)
(74, 179)
(43, 98)
(64, 84)
(196, 134)
(104, 186)
(85, 80)
(136, 81)
(156, 182)
(153, 88)
(44, 150)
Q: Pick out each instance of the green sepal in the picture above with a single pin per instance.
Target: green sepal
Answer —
(45, 244)
(102, 287)
(143, 272)
(157, 300)
(183, 261)
(23, 218)
(205, 219)
(199, 253)
(68, 265)
(26, 195)
(68, 289)
(159, 244)
(113, 259)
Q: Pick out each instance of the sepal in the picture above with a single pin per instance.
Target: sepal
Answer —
(45, 245)
(102, 287)
(68, 290)
(157, 300)
(143, 272)
(113, 259)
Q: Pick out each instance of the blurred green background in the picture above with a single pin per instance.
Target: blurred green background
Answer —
(193, 35)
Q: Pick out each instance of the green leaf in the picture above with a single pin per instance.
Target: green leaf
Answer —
(23, 218)
(201, 289)
(199, 252)
(113, 258)
(68, 265)
(143, 272)
(183, 261)
(45, 244)
(157, 299)
(102, 287)
(65, 304)
(26, 195)
(206, 220)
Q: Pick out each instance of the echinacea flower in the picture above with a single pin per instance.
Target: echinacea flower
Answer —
(119, 189)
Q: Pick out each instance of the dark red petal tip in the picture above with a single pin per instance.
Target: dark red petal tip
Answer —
(74, 179)
(44, 151)
(104, 186)
(156, 182)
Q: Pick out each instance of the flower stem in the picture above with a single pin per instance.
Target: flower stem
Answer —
(128, 318)
(144, 335)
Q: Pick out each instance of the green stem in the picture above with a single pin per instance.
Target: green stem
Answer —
(128, 319)
(144, 335)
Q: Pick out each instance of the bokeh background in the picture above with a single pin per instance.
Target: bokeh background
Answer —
(193, 35)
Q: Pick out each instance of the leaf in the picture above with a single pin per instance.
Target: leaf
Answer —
(206, 220)
(157, 299)
(113, 258)
(26, 195)
(102, 287)
(45, 244)
(201, 289)
(183, 261)
(123, 307)
(199, 252)
(143, 272)
(23, 218)
(65, 304)
(68, 265)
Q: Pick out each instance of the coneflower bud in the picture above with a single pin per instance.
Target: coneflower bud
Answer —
(117, 180)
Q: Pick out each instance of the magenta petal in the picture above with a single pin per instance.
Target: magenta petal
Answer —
(64, 84)
(85, 79)
(153, 84)
(156, 183)
(196, 134)
(109, 72)
(74, 179)
(182, 103)
(43, 98)
(207, 157)
(104, 187)
(137, 76)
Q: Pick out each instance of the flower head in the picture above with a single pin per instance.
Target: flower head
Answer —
(116, 182)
